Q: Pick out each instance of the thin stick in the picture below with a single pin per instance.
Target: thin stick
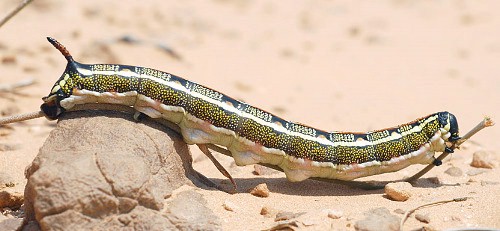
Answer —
(14, 12)
(409, 212)
(487, 122)
(203, 148)
(21, 117)
(11, 87)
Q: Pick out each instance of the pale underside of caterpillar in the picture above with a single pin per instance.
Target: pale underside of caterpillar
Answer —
(252, 135)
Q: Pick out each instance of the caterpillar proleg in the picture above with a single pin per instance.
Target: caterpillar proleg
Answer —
(252, 135)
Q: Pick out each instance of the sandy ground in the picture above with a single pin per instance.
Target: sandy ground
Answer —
(352, 66)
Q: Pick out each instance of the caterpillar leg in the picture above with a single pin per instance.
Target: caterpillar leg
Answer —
(221, 169)
(138, 116)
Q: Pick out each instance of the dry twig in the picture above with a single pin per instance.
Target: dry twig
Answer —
(14, 12)
(409, 212)
(12, 87)
(21, 117)
(487, 122)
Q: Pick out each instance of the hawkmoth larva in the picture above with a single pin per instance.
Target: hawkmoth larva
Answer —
(252, 135)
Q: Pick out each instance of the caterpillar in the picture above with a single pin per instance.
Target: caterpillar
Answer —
(252, 135)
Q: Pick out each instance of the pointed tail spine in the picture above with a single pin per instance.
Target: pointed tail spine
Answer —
(61, 49)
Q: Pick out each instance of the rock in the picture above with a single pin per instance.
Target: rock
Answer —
(483, 159)
(260, 190)
(9, 59)
(378, 219)
(334, 214)
(399, 211)
(485, 182)
(10, 198)
(268, 211)
(281, 216)
(475, 172)
(229, 206)
(454, 171)
(428, 228)
(423, 218)
(103, 171)
(11, 224)
(315, 219)
(286, 225)
(188, 211)
(399, 191)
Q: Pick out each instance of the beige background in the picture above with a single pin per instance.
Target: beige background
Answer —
(334, 65)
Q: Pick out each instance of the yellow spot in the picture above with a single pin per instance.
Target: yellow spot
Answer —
(55, 89)
(66, 76)
(62, 83)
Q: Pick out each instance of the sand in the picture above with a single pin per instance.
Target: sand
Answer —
(350, 66)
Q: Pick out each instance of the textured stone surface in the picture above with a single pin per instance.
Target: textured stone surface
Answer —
(10, 198)
(483, 159)
(379, 219)
(260, 190)
(10, 224)
(399, 191)
(101, 170)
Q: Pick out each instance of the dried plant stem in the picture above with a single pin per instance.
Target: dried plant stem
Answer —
(14, 12)
(21, 117)
(487, 122)
(11, 87)
(409, 212)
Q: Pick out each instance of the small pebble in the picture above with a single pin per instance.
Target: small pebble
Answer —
(475, 171)
(11, 198)
(286, 225)
(399, 211)
(429, 228)
(485, 182)
(423, 218)
(455, 218)
(378, 219)
(229, 206)
(335, 214)
(283, 216)
(260, 190)
(454, 171)
(482, 159)
(9, 60)
(268, 211)
(399, 191)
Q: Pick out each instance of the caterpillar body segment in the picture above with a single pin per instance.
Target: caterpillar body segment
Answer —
(251, 135)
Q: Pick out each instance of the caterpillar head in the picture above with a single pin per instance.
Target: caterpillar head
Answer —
(62, 88)
(449, 122)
